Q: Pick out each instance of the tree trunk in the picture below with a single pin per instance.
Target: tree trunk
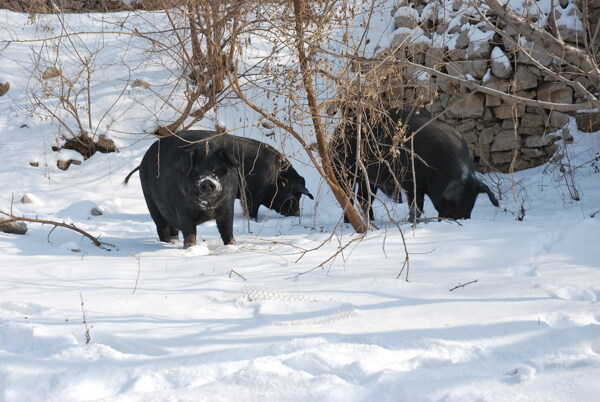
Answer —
(339, 193)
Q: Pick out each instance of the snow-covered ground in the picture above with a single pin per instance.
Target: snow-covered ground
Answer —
(275, 317)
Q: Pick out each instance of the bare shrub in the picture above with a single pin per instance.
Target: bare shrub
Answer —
(64, 76)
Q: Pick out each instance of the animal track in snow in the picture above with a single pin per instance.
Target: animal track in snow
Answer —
(22, 307)
(128, 346)
(354, 361)
(432, 362)
(32, 340)
(148, 383)
(520, 374)
(199, 249)
(570, 293)
(311, 362)
(562, 320)
(543, 242)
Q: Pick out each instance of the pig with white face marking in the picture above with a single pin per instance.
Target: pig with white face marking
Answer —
(186, 184)
(267, 177)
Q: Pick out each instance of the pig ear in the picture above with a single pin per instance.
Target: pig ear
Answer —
(228, 157)
(483, 188)
(300, 188)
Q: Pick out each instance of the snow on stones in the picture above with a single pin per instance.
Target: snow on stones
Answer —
(454, 39)
(500, 64)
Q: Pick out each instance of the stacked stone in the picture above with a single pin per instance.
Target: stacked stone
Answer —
(590, 122)
(80, 6)
(501, 136)
(65, 6)
(592, 9)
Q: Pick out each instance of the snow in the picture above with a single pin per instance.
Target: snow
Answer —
(477, 35)
(570, 17)
(499, 56)
(454, 16)
(301, 308)
(407, 11)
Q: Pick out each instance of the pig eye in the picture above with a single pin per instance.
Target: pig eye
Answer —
(220, 171)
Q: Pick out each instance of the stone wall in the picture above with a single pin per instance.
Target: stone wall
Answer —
(79, 6)
(451, 37)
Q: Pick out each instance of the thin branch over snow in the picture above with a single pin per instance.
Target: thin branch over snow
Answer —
(537, 35)
(463, 285)
(70, 226)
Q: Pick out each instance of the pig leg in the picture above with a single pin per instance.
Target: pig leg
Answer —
(416, 202)
(188, 228)
(225, 223)
(247, 205)
(163, 228)
(366, 191)
(420, 202)
(174, 232)
(253, 207)
(189, 240)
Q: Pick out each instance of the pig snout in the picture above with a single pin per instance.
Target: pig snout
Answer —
(208, 186)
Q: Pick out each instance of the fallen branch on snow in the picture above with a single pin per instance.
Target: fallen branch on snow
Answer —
(100, 244)
(463, 285)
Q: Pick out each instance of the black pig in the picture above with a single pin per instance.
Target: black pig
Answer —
(269, 179)
(440, 167)
(186, 184)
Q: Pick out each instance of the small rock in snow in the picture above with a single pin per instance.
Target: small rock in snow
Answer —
(29, 198)
(4, 88)
(14, 227)
(96, 212)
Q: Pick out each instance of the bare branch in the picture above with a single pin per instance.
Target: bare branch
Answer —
(70, 226)
(339, 193)
(231, 272)
(577, 86)
(553, 45)
(508, 98)
(463, 285)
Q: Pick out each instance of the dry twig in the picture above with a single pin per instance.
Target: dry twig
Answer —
(231, 272)
(463, 285)
(55, 224)
(88, 338)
